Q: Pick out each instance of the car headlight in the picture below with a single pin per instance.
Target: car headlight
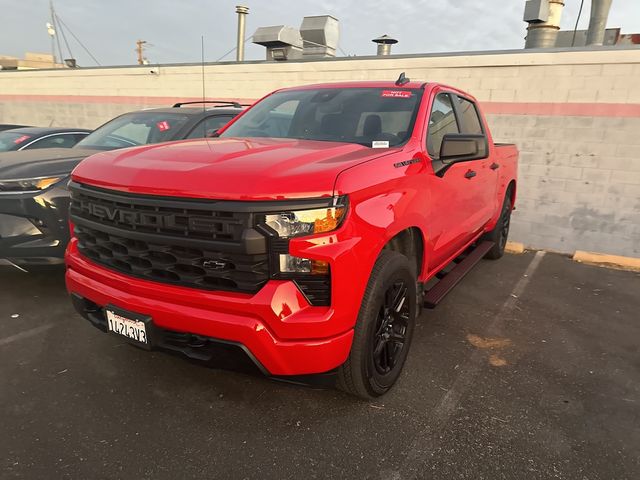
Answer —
(28, 184)
(306, 222)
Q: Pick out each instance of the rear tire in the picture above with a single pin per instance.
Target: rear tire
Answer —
(384, 328)
(500, 232)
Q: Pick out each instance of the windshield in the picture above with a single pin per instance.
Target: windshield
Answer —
(132, 129)
(12, 140)
(373, 117)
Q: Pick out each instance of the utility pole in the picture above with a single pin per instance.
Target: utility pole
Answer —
(51, 30)
(140, 49)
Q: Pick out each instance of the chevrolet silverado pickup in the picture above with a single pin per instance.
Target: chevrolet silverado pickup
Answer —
(307, 236)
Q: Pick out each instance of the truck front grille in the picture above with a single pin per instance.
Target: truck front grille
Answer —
(198, 244)
(178, 265)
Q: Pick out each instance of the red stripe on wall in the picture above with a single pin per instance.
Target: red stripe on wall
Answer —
(563, 109)
(591, 109)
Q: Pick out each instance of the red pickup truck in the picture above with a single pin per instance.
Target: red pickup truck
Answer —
(308, 235)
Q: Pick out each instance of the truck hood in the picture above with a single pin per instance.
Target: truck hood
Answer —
(40, 162)
(227, 168)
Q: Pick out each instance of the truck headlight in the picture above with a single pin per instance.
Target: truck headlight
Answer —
(23, 185)
(306, 222)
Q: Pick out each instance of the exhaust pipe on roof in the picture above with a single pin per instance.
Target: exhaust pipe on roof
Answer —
(242, 17)
(598, 21)
(384, 44)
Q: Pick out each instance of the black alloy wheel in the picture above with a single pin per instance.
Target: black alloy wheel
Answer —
(505, 222)
(384, 328)
(391, 328)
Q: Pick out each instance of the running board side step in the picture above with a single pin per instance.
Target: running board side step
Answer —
(435, 294)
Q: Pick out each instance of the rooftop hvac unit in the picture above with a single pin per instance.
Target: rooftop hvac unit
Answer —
(282, 42)
(320, 35)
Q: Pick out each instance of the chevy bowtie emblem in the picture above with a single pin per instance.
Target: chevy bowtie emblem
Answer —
(214, 264)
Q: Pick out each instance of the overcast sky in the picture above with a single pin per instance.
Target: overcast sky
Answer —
(109, 28)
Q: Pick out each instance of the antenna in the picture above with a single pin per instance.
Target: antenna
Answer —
(202, 64)
(402, 80)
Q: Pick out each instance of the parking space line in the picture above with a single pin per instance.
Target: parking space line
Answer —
(423, 444)
(5, 262)
(25, 334)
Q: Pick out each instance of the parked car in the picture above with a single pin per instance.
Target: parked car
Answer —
(34, 198)
(30, 138)
(308, 235)
(6, 126)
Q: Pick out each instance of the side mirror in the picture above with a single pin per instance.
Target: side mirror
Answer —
(460, 147)
(213, 133)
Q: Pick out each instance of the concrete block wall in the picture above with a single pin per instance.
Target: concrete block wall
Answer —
(575, 115)
(579, 181)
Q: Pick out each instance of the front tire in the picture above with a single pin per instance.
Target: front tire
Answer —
(384, 328)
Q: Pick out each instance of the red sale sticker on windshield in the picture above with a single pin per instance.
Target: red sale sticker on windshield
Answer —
(163, 126)
(396, 94)
(21, 139)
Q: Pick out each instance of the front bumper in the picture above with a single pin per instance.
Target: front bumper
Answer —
(276, 326)
(34, 228)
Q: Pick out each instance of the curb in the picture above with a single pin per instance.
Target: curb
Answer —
(514, 247)
(605, 260)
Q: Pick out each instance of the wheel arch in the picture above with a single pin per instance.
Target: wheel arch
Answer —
(511, 190)
(409, 242)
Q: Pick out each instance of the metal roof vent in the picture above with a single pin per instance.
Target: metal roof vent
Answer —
(543, 17)
(384, 44)
(282, 42)
(320, 35)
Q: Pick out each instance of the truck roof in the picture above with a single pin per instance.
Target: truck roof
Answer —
(391, 85)
(365, 84)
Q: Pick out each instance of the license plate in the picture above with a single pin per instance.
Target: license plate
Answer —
(127, 327)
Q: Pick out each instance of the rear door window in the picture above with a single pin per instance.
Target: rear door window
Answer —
(468, 116)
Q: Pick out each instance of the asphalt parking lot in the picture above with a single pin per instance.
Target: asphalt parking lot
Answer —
(529, 369)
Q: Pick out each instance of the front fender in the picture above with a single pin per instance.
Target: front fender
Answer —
(352, 250)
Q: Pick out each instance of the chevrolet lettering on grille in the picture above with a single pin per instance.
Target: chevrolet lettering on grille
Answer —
(149, 219)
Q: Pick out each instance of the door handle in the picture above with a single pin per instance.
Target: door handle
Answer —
(470, 174)
(494, 166)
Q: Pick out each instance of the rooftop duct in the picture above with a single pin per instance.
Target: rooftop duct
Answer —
(282, 42)
(320, 35)
(384, 44)
(543, 17)
(598, 21)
